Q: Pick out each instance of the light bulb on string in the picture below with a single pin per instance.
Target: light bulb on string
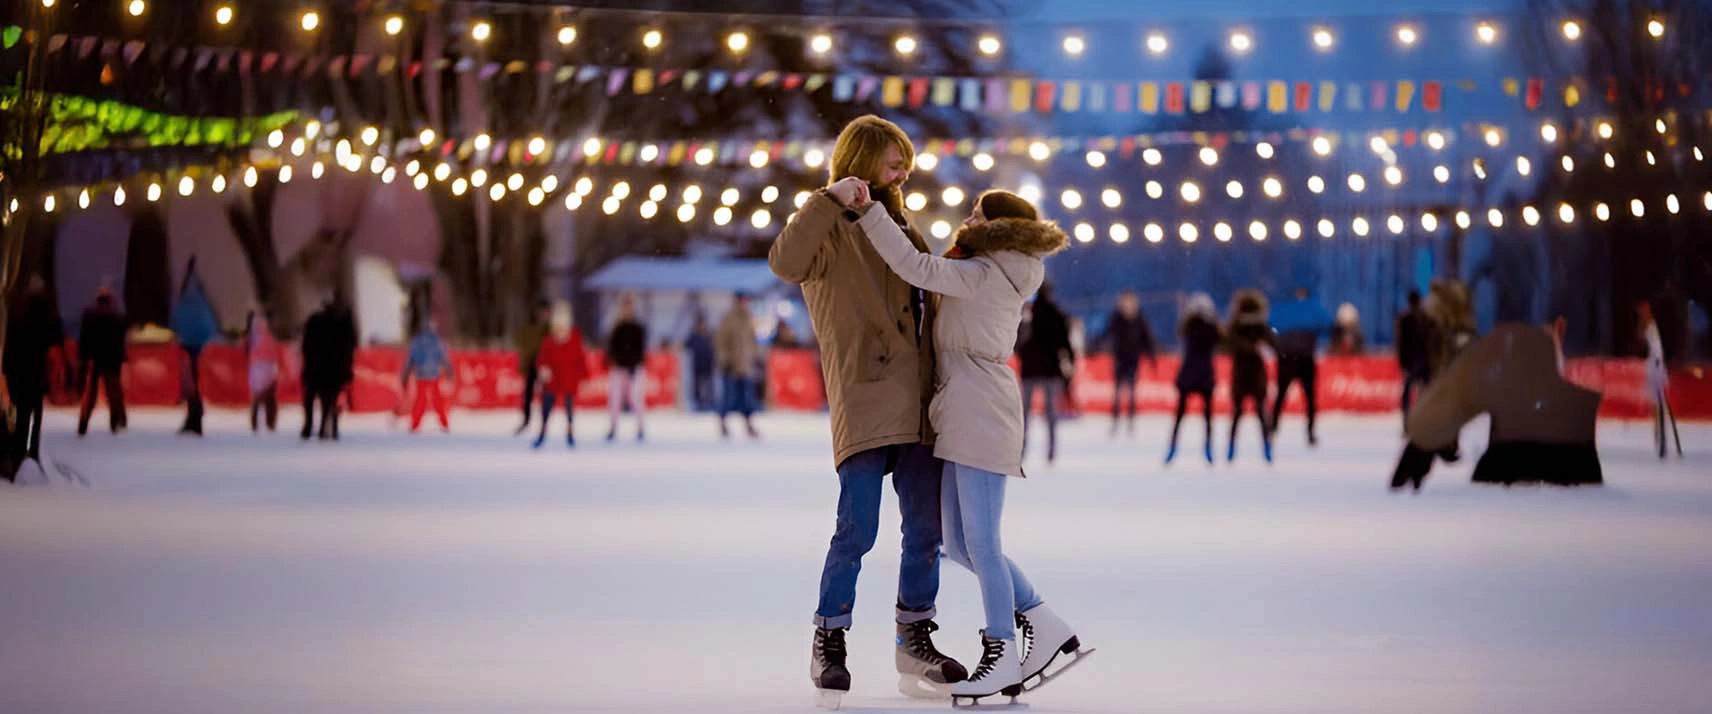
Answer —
(49, 203)
(814, 158)
(758, 158)
(904, 45)
(652, 39)
(952, 196)
(223, 15)
(1272, 187)
(478, 178)
(760, 218)
(1322, 146)
(611, 204)
(1157, 44)
(1152, 157)
(1084, 233)
(657, 192)
(1209, 156)
(1039, 151)
(186, 186)
(309, 20)
(1356, 183)
(1651, 160)
(1530, 215)
(1396, 224)
(771, 194)
(550, 183)
(1241, 42)
(621, 190)
(1638, 208)
(83, 198)
(1655, 27)
(1324, 39)
(915, 201)
(1605, 129)
(820, 44)
(387, 176)
(442, 171)
(1480, 169)
(722, 215)
(1610, 161)
(692, 194)
(1494, 137)
(1706, 200)
(1119, 233)
(1568, 164)
(573, 201)
(1327, 228)
(394, 25)
(686, 213)
(1486, 33)
(1222, 231)
(1429, 222)
(801, 199)
(1463, 220)
(648, 210)
(1407, 35)
(1187, 232)
(275, 138)
(154, 192)
(1257, 231)
(119, 196)
(584, 186)
(1602, 212)
(1316, 185)
(704, 156)
(1234, 189)
(1359, 227)
(737, 42)
(536, 196)
(1264, 150)
(1096, 159)
(1566, 213)
(940, 230)
(1571, 30)
(1441, 173)
(1524, 166)
(250, 177)
(1435, 140)
(299, 147)
(1292, 230)
(1075, 45)
(1153, 233)
(1393, 175)
(926, 161)
(218, 185)
(1111, 198)
(514, 182)
(1071, 198)
(1495, 218)
(567, 35)
(982, 161)
(420, 182)
(1190, 192)
(481, 31)
(1379, 145)
(1155, 190)
(538, 146)
(1672, 205)
(1548, 133)
(729, 197)
(989, 45)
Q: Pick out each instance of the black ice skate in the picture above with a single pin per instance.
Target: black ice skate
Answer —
(923, 671)
(826, 668)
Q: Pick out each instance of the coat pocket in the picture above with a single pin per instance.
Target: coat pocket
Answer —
(876, 355)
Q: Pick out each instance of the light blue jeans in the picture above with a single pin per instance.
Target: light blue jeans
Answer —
(971, 503)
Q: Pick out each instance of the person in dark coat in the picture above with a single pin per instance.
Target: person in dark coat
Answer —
(1542, 426)
(1247, 332)
(528, 344)
(1298, 325)
(1199, 330)
(33, 332)
(1413, 327)
(1046, 357)
(329, 356)
(101, 349)
(1130, 339)
(626, 350)
(702, 355)
(194, 325)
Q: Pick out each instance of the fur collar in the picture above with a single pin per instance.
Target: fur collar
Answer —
(1035, 238)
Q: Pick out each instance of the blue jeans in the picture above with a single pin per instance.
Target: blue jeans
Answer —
(973, 502)
(737, 394)
(915, 476)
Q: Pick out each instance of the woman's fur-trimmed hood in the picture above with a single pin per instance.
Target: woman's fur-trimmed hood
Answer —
(1036, 238)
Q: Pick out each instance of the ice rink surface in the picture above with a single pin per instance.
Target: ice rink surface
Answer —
(468, 573)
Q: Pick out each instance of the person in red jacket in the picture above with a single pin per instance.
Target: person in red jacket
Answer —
(562, 366)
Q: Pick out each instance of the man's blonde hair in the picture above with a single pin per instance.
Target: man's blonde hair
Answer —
(861, 149)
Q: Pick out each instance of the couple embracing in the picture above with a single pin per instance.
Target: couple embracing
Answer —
(915, 351)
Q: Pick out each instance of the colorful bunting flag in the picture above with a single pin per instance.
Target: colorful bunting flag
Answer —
(1200, 96)
(1277, 97)
(1328, 96)
(1405, 95)
(1148, 98)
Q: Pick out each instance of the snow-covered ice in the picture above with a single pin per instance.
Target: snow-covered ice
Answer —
(467, 573)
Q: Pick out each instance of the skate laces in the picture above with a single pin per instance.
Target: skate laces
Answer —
(1025, 633)
(991, 651)
(830, 644)
(920, 640)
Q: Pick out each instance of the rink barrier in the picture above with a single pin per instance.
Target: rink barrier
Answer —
(490, 379)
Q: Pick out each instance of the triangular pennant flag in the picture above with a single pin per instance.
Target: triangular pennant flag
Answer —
(223, 59)
(245, 59)
(843, 88)
(359, 63)
(675, 155)
(741, 78)
(291, 63)
(109, 47)
(767, 78)
(565, 74)
(204, 56)
(1174, 99)
(490, 70)
(444, 63)
(1379, 89)
(334, 68)
(1353, 98)
(414, 69)
(387, 64)
(1200, 96)
(791, 81)
(892, 91)
(716, 80)
(1304, 96)
(1405, 95)
(627, 153)
(270, 60)
(642, 81)
(56, 43)
(1536, 92)
(1071, 99)
(667, 76)
(1021, 91)
(544, 67)
(1097, 96)
(1227, 95)
(918, 87)
(10, 36)
(1328, 96)
(1148, 98)
(615, 80)
(1571, 95)
(944, 91)
(995, 96)
(692, 77)
(865, 87)
(814, 82)
(1512, 86)
(969, 95)
(1432, 96)
(179, 57)
(516, 67)
(1045, 91)
(86, 47)
(1277, 97)
(1121, 102)
(464, 65)
(1252, 96)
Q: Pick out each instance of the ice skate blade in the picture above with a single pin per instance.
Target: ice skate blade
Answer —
(1049, 673)
(916, 686)
(959, 701)
(829, 699)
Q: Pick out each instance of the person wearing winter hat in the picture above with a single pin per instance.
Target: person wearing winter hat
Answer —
(1245, 336)
(995, 263)
(1199, 327)
(563, 366)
